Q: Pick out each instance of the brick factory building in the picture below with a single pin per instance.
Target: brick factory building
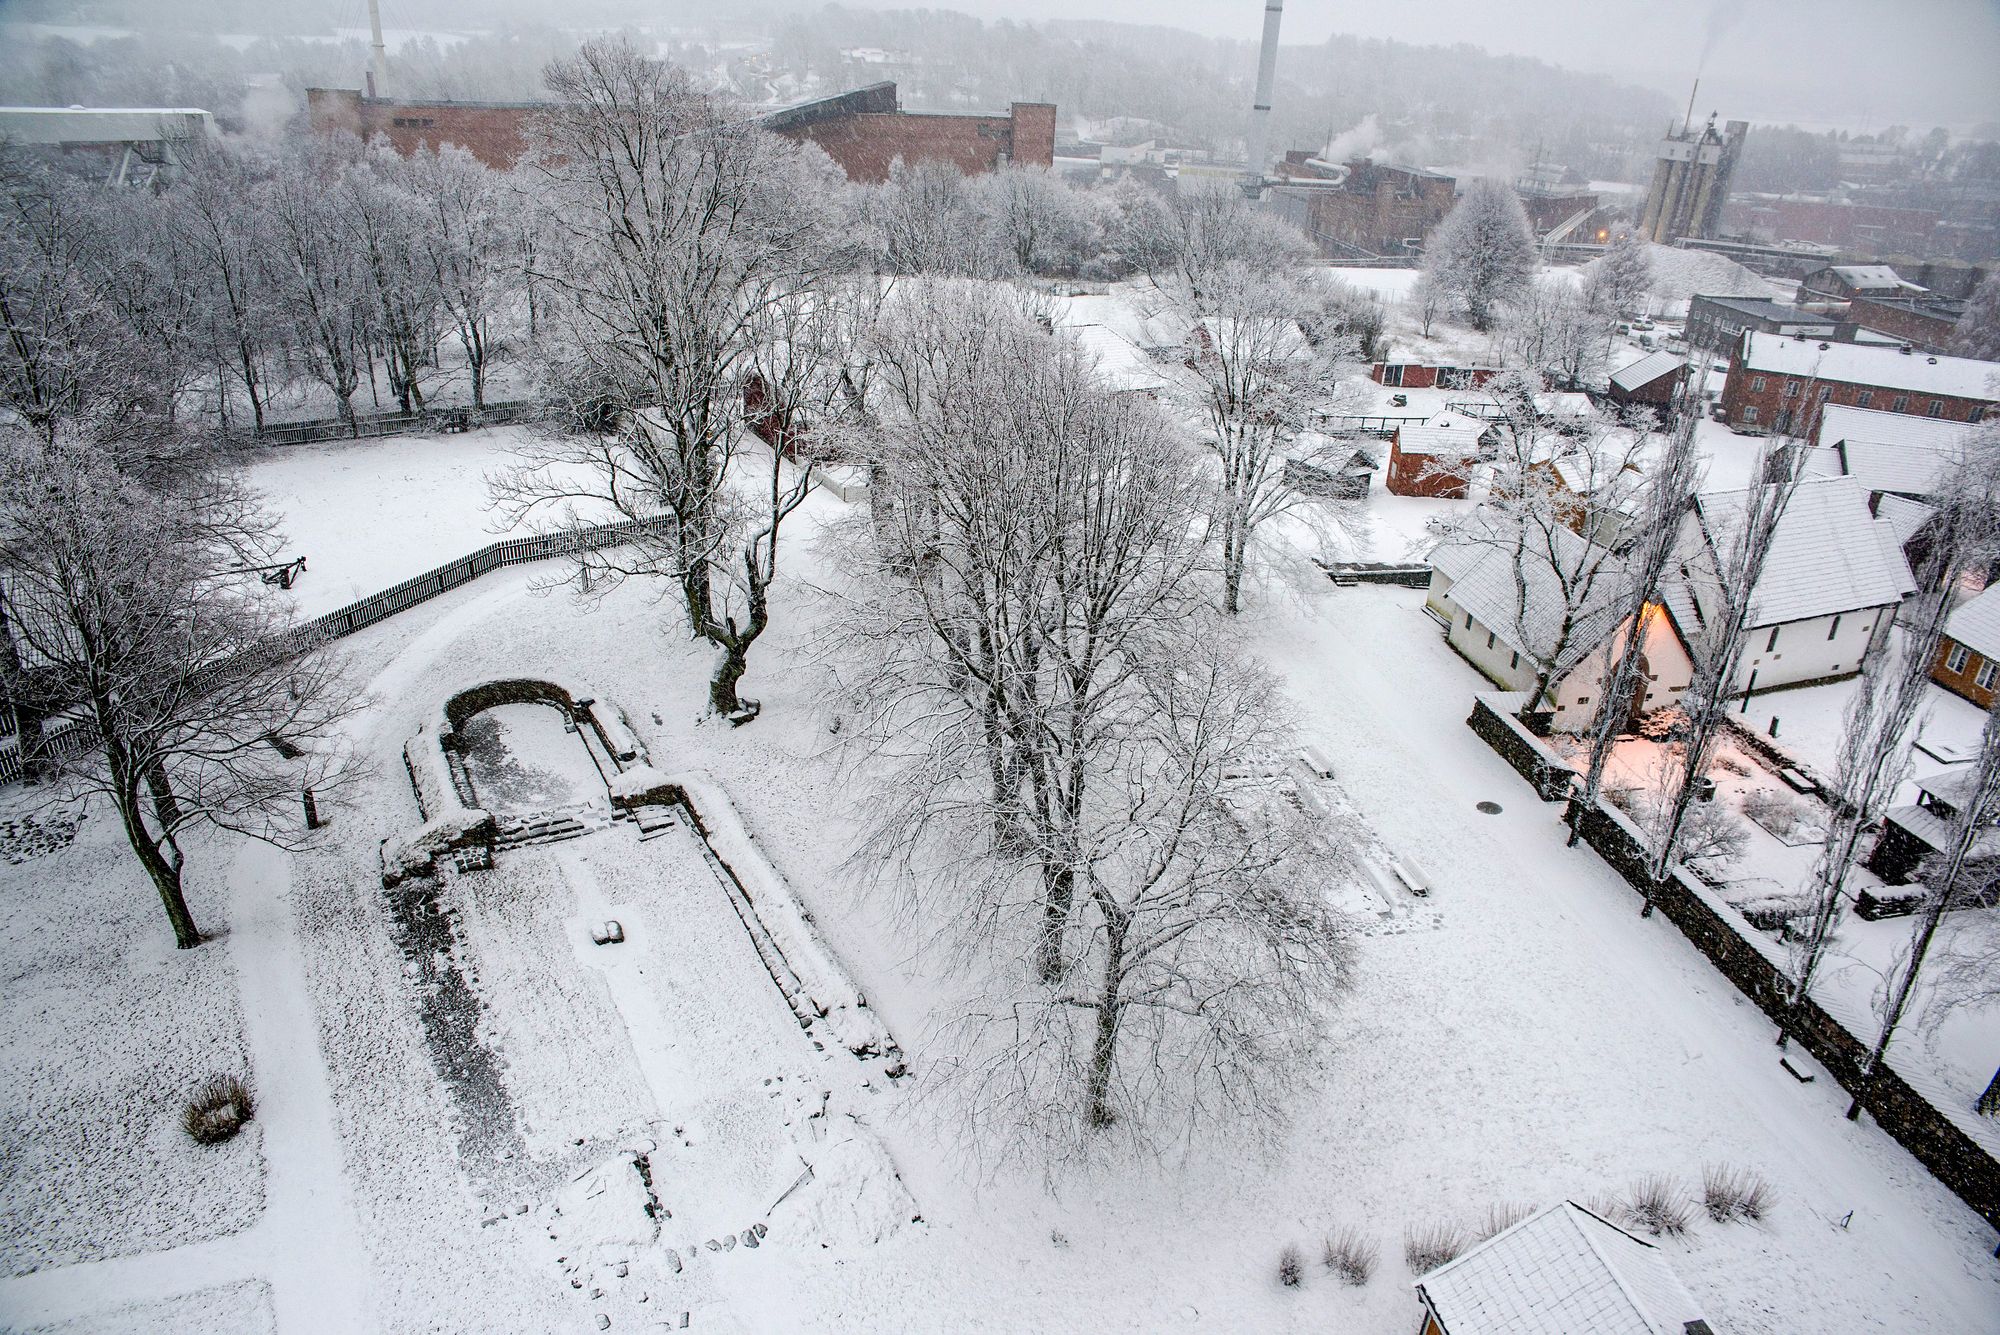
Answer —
(1780, 384)
(863, 130)
(1362, 208)
(1716, 324)
(1926, 323)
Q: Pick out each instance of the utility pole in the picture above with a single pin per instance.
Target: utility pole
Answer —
(378, 78)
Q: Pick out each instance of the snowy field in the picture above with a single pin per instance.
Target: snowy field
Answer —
(1520, 1037)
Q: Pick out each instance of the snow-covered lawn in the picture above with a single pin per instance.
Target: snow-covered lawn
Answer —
(1526, 1037)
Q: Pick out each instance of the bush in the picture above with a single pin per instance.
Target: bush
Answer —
(1432, 1245)
(1775, 913)
(1500, 1218)
(1657, 1205)
(218, 1110)
(1735, 1193)
(1664, 724)
(1350, 1256)
(1290, 1269)
(1773, 810)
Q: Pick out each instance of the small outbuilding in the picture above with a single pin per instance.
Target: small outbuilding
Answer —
(1434, 457)
(1563, 1271)
(1652, 380)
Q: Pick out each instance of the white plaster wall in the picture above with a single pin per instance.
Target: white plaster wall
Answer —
(1805, 652)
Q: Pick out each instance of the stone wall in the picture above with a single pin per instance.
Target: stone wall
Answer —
(1495, 723)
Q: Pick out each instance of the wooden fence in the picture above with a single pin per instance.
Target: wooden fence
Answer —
(368, 426)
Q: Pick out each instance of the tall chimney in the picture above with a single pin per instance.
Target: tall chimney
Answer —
(1260, 110)
(379, 85)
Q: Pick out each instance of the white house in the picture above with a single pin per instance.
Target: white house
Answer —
(1887, 454)
(1562, 1271)
(1830, 585)
(1475, 593)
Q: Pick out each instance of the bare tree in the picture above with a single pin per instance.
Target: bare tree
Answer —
(316, 270)
(1044, 225)
(1977, 333)
(1735, 556)
(131, 599)
(929, 219)
(1057, 744)
(1561, 331)
(385, 219)
(1976, 808)
(685, 238)
(469, 251)
(1618, 281)
(1211, 235)
(1483, 253)
(1668, 492)
(208, 208)
(1266, 364)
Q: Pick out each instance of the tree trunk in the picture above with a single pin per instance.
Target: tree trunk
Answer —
(165, 872)
(735, 661)
(1110, 1009)
(14, 687)
(1059, 886)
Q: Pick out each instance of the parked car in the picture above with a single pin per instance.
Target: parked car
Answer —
(1644, 322)
(1648, 342)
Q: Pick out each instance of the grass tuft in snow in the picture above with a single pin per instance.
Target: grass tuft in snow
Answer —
(1735, 1193)
(1291, 1270)
(218, 1110)
(1350, 1256)
(1659, 1206)
(1429, 1246)
(1501, 1217)
(1773, 810)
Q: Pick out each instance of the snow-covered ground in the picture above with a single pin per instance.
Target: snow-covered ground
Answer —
(1522, 1036)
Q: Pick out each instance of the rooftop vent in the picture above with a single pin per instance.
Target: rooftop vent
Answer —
(1822, 347)
(1931, 360)
(1906, 349)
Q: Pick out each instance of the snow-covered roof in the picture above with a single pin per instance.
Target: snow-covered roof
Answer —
(1887, 368)
(1140, 319)
(1646, 370)
(1976, 624)
(1560, 1272)
(1480, 566)
(1446, 433)
(1563, 404)
(1828, 555)
(1838, 422)
(1120, 364)
(1884, 468)
(1873, 278)
(1903, 516)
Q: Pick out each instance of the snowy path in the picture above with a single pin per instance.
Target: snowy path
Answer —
(306, 1246)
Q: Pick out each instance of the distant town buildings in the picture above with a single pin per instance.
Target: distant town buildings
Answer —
(1781, 384)
(864, 130)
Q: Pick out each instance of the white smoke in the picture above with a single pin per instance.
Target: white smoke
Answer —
(1360, 141)
(1723, 15)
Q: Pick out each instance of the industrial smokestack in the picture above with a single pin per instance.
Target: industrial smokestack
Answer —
(1260, 110)
(379, 76)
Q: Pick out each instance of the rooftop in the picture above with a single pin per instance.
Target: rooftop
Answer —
(1646, 370)
(1484, 583)
(1887, 368)
(1561, 1272)
(1446, 433)
(1762, 308)
(1829, 553)
(1873, 278)
(1838, 422)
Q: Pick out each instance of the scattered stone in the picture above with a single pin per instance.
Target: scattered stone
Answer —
(623, 1270)
(750, 1237)
(759, 1229)
(603, 1321)
(673, 1260)
(729, 1242)
(712, 1245)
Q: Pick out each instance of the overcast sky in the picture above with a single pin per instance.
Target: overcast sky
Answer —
(1839, 63)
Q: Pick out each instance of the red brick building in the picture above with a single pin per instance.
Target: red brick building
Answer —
(863, 130)
(1424, 375)
(1968, 654)
(1362, 208)
(1924, 323)
(1434, 458)
(1780, 384)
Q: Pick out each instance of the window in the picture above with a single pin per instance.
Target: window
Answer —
(1750, 415)
(1784, 423)
(1937, 408)
(1834, 629)
(1864, 398)
(1514, 660)
(1468, 621)
(1978, 413)
(1956, 661)
(1756, 384)
(1987, 673)
(1772, 643)
(1491, 636)
(1790, 390)
(1392, 376)
(1825, 392)
(1901, 404)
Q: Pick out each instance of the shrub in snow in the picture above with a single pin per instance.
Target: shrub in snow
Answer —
(1657, 1205)
(1773, 810)
(1664, 724)
(1431, 1245)
(1290, 1270)
(1711, 839)
(1775, 913)
(1350, 1256)
(1501, 1217)
(1735, 1193)
(218, 1110)
(1729, 764)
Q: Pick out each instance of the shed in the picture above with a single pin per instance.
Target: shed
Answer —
(1563, 1271)
(1651, 380)
(1432, 457)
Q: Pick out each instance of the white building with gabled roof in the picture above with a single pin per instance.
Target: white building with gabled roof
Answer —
(1829, 589)
(1563, 1271)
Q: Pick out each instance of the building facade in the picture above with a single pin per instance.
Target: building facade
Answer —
(1716, 324)
(1781, 384)
(863, 130)
(1362, 208)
